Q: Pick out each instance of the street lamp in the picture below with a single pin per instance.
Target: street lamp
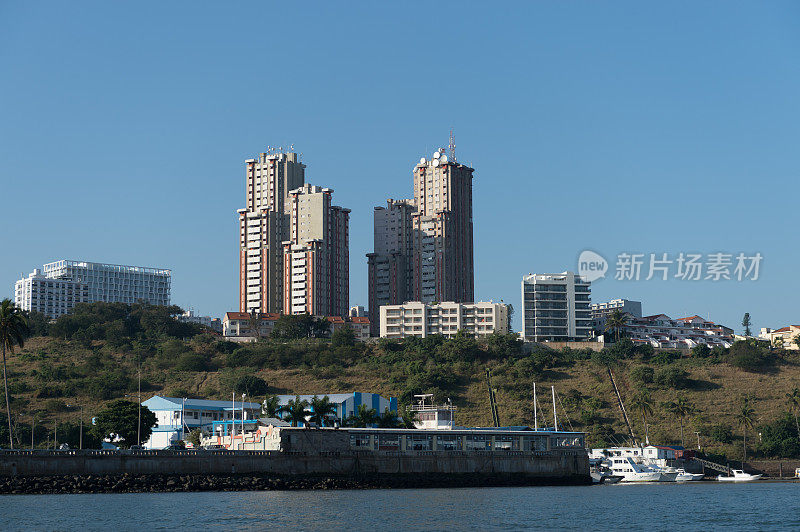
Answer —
(80, 441)
(243, 396)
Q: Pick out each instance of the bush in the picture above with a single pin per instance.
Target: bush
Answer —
(779, 439)
(642, 374)
(748, 357)
(671, 377)
(666, 357)
(251, 385)
(721, 434)
(701, 351)
(191, 362)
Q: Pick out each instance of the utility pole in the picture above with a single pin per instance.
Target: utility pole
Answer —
(33, 428)
(80, 437)
(698, 439)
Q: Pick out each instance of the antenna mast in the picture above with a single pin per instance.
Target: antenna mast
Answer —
(452, 146)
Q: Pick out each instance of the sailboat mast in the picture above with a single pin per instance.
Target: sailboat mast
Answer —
(555, 415)
(535, 410)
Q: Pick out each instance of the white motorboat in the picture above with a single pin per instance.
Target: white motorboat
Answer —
(634, 471)
(739, 476)
(684, 476)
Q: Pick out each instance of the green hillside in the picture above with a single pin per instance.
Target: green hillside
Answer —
(93, 355)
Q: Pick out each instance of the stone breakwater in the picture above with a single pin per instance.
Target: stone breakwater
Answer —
(128, 483)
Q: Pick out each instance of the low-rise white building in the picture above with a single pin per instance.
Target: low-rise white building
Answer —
(177, 417)
(237, 326)
(425, 319)
(659, 330)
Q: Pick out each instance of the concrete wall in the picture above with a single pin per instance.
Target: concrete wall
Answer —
(544, 464)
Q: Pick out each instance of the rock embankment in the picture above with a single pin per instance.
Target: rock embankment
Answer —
(128, 483)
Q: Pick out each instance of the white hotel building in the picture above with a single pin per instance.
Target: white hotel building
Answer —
(62, 284)
(555, 307)
(425, 319)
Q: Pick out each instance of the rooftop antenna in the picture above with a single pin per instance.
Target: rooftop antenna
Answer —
(452, 146)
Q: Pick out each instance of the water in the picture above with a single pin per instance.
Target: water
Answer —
(685, 506)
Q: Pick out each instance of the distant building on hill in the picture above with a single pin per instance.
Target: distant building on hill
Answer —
(601, 311)
(56, 289)
(238, 327)
(426, 319)
(555, 307)
(784, 337)
(659, 330)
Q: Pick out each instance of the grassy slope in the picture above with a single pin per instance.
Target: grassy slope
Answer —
(715, 391)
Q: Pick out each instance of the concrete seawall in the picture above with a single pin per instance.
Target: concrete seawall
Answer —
(381, 468)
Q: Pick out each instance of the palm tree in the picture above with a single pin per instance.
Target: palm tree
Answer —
(322, 409)
(745, 418)
(296, 411)
(682, 408)
(13, 328)
(615, 322)
(793, 401)
(272, 406)
(644, 404)
(364, 417)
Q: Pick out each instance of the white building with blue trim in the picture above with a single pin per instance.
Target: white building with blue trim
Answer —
(177, 417)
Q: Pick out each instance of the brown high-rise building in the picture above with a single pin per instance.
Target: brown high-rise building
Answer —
(423, 247)
(263, 227)
(442, 262)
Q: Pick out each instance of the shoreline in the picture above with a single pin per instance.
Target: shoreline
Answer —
(163, 483)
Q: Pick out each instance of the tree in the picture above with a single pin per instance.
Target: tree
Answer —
(793, 401)
(615, 322)
(745, 418)
(119, 420)
(797, 341)
(296, 411)
(343, 337)
(251, 385)
(195, 438)
(363, 417)
(389, 420)
(13, 328)
(297, 326)
(254, 322)
(746, 324)
(681, 408)
(272, 406)
(644, 404)
(322, 409)
(409, 418)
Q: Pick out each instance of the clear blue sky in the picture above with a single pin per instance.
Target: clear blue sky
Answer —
(609, 126)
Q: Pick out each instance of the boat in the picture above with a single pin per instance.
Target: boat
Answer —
(739, 476)
(601, 474)
(634, 471)
(684, 476)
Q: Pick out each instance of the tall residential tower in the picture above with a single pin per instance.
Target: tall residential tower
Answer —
(264, 226)
(316, 255)
(423, 247)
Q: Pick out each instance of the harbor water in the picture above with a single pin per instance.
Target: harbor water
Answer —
(652, 506)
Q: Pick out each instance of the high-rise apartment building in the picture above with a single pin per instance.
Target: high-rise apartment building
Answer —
(443, 268)
(423, 247)
(389, 267)
(264, 226)
(316, 255)
(62, 284)
(556, 307)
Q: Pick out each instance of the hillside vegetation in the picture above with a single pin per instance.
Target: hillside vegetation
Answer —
(94, 354)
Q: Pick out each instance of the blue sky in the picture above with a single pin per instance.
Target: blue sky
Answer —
(616, 127)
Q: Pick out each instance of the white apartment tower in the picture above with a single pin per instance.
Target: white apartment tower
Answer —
(65, 283)
(316, 255)
(556, 307)
(264, 226)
